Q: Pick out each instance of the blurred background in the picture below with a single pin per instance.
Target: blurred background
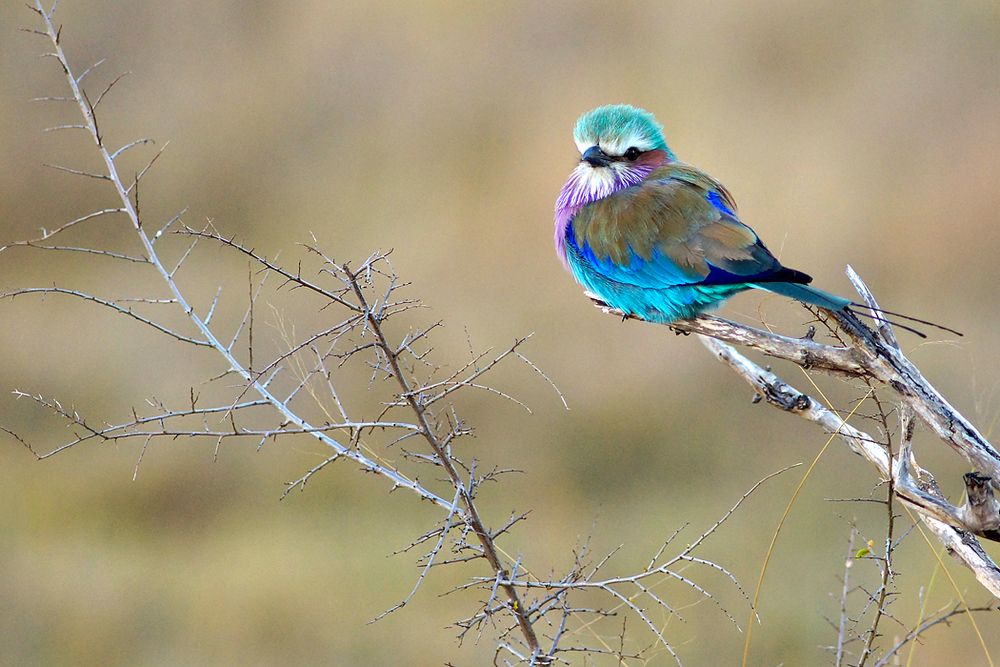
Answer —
(849, 133)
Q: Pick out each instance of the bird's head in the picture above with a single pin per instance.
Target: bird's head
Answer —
(617, 135)
(620, 145)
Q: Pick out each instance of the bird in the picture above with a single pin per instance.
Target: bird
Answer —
(655, 238)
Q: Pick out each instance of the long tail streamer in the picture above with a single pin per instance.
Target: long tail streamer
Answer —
(879, 313)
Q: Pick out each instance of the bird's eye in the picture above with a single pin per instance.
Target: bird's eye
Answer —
(632, 153)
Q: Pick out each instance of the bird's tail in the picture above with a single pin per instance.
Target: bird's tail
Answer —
(806, 294)
(818, 297)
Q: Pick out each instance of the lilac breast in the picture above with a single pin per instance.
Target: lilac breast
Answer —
(583, 187)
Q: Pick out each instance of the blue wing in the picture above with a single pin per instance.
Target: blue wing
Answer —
(679, 227)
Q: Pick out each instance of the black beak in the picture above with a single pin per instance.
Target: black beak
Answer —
(595, 157)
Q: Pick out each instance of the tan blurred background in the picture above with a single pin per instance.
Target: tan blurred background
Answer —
(850, 133)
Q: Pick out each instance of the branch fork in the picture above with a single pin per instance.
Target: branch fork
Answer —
(874, 356)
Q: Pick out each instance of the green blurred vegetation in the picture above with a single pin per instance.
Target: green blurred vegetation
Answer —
(849, 133)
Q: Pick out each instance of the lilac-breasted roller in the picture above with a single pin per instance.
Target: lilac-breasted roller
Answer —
(656, 238)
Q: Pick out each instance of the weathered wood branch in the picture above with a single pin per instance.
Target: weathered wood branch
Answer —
(950, 524)
(875, 356)
(804, 352)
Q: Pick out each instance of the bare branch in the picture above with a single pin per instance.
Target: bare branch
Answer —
(76, 172)
(131, 144)
(779, 394)
(142, 172)
(47, 234)
(431, 555)
(163, 230)
(56, 128)
(90, 69)
(106, 91)
(129, 208)
(292, 278)
(471, 517)
(107, 304)
(91, 251)
(941, 617)
(801, 351)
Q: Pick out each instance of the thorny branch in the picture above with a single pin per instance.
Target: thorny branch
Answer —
(208, 336)
(944, 616)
